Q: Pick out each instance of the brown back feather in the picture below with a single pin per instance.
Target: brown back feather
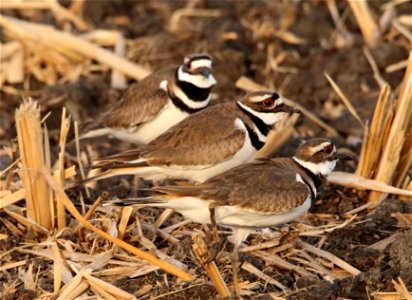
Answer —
(140, 103)
(264, 185)
(207, 137)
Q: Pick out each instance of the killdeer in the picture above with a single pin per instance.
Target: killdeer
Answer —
(259, 194)
(204, 144)
(156, 103)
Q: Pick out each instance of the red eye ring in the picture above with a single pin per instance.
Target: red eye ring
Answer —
(327, 149)
(268, 102)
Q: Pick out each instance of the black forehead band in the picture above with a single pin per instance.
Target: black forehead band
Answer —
(192, 59)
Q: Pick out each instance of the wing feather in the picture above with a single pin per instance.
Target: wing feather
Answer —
(263, 186)
(140, 103)
(259, 186)
(204, 138)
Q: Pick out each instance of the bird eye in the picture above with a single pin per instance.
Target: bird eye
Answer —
(268, 102)
(327, 149)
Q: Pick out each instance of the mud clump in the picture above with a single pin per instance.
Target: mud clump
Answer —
(400, 254)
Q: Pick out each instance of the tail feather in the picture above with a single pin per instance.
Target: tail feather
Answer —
(108, 174)
(142, 201)
(126, 156)
(118, 165)
(100, 176)
(180, 190)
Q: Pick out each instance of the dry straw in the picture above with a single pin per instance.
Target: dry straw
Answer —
(59, 174)
(30, 140)
(343, 97)
(61, 47)
(370, 154)
(367, 24)
(200, 250)
(386, 152)
(142, 254)
(39, 184)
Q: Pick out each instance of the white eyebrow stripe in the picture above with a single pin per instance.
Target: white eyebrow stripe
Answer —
(320, 147)
(269, 118)
(201, 63)
(259, 98)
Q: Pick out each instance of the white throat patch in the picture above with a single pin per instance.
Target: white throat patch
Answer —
(323, 168)
(197, 80)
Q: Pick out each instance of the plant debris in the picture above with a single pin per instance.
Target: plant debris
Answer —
(347, 65)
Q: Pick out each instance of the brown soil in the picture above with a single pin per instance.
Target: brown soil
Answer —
(239, 41)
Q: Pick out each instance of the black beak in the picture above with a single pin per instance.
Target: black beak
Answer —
(205, 71)
(288, 109)
(343, 156)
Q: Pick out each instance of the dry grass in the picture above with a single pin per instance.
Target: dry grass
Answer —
(30, 138)
(367, 24)
(86, 256)
(386, 152)
(61, 50)
(201, 252)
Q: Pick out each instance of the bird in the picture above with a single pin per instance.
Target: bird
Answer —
(204, 144)
(156, 103)
(262, 193)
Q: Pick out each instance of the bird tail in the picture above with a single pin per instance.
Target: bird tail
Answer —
(140, 201)
(151, 199)
(111, 170)
(147, 197)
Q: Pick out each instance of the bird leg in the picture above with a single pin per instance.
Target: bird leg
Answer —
(216, 244)
(239, 235)
(137, 181)
(215, 233)
(235, 261)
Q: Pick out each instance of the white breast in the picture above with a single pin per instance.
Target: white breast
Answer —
(234, 216)
(169, 116)
(324, 168)
(148, 131)
(197, 210)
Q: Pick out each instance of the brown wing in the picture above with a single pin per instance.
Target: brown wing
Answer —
(141, 102)
(207, 137)
(262, 186)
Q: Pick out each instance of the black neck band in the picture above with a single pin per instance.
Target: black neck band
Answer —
(262, 126)
(254, 139)
(317, 179)
(181, 105)
(192, 91)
